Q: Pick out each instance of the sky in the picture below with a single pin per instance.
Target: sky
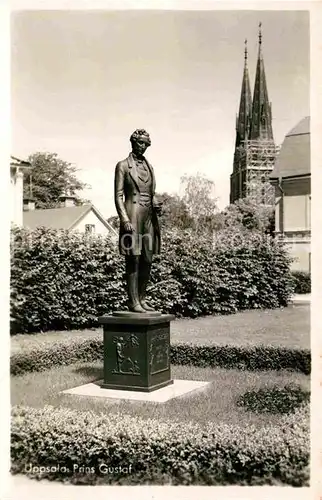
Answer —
(83, 81)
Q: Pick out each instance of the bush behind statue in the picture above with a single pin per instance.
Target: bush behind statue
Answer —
(64, 280)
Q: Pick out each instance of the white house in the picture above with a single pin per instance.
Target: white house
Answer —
(84, 218)
(16, 189)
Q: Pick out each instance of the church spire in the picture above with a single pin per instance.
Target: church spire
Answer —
(245, 107)
(261, 110)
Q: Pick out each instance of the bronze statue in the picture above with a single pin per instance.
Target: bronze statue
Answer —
(138, 211)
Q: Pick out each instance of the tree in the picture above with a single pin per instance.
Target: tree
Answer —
(200, 200)
(174, 212)
(248, 214)
(48, 178)
(114, 221)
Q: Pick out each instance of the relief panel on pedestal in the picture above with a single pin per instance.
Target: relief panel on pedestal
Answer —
(126, 353)
(159, 352)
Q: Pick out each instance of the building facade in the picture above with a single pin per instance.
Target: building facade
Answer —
(255, 150)
(17, 168)
(291, 179)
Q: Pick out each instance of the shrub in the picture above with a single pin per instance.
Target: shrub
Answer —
(59, 353)
(156, 451)
(238, 269)
(302, 281)
(274, 399)
(91, 349)
(62, 280)
(242, 357)
(247, 213)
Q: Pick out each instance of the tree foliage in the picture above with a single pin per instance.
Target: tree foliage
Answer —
(248, 214)
(200, 200)
(51, 177)
(114, 221)
(175, 212)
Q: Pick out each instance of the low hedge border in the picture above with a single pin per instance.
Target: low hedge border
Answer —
(224, 356)
(59, 353)
(55, 443)
(242, 357)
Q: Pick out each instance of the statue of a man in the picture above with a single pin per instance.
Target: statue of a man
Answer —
(138, 209)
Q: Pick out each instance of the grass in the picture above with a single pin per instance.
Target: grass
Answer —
(219, 402)
(287, 327)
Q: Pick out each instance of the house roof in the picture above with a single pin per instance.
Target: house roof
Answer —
(294, 157)
(60, 218)
(16, 162)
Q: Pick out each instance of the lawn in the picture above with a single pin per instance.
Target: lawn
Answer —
(217, 403)
(253, 444)
(287, 327)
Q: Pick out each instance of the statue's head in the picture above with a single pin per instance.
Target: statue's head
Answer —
(140, 141)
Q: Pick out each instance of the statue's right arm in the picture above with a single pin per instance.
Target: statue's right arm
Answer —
(119, 194)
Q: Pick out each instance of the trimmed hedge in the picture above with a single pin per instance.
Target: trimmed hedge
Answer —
(64, 280)
(60, 441)
(225, 356)
(302, 281)
(242, 357)
(275, 399)
(59, 353)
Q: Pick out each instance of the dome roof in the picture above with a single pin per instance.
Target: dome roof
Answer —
(294, 156)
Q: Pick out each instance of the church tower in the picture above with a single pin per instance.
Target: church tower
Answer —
(255, 150)
(243, 126)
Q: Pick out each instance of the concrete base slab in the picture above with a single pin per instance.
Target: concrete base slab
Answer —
(177, 389)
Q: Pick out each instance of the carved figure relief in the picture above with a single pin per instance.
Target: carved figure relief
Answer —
(159, 353)
(125, 364)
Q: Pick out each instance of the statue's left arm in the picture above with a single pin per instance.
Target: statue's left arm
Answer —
(156, 203)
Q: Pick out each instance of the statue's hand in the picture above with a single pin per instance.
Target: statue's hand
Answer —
(158, 207)
(128, 227)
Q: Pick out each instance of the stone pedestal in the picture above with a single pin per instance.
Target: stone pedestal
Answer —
(136, 351)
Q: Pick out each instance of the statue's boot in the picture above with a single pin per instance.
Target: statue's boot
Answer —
(132, 270)
(144, 276)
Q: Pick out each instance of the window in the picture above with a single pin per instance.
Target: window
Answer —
(89, 228)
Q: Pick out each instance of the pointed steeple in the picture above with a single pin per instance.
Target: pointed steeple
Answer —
(261, 112)
(245, 107)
